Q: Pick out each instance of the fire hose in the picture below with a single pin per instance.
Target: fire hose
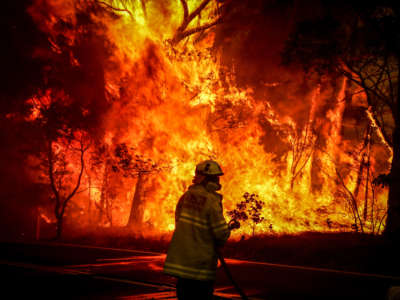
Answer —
(233, 224)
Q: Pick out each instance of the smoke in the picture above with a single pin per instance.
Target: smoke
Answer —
(251, 40)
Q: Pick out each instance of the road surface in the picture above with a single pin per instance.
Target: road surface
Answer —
(63, 271)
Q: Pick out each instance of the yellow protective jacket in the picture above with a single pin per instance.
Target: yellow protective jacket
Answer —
(200, 227)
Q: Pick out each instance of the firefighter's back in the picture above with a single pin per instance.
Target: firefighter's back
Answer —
(200, 227)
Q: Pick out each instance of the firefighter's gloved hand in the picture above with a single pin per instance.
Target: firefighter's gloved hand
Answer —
(233, 224)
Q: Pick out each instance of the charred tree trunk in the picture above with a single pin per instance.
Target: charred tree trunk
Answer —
(367, 180)
(89, 199)
(363, 162)
(105, 204)
(109, 210)
(316, 178)
(103, 195)
(136, 214)
(392, 229)
(59, 227)
(59, 211)
(359, 177)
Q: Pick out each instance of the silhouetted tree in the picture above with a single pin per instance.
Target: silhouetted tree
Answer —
(248, 210)
(64, 142)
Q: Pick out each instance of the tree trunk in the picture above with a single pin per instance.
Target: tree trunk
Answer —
(316, 178)
(59, 227)
(392, 229)
(90, 200)
(136, 214)
(359, 177)
(363, 164)
(103, 196)
(109, 210)
(367, 179)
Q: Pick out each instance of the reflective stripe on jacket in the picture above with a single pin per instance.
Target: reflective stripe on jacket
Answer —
(200, 227)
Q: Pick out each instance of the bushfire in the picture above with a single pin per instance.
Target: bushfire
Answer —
(172, 100)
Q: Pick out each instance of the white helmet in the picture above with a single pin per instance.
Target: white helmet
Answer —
(209, 167)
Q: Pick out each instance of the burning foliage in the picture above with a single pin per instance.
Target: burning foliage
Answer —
(134, 93)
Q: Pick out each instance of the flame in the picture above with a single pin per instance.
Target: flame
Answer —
(174, 109)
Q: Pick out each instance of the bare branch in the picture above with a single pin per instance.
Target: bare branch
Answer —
(391, 89)
(182, 35)
(78, 182)
(185, 11)
(353, 200)
(378, 125)
(182, 31)
(197, 11)
(51, 170)
(362, 82)
(114, 8)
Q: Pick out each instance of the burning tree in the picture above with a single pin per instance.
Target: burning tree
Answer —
(366, 212)
(65, 143)
(248, 210)
(361, 43)
(61, 175)
(303, 144)
(134, 165)
(101, 167)
(186, 27)
(67, 105)
(354, 176)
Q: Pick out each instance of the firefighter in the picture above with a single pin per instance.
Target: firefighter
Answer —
(200, 230)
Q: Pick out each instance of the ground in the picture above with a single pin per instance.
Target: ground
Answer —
(70, 271)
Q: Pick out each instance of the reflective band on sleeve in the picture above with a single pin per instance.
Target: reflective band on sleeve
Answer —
(189, 269)
(186, 272)
(192, 222)
(217, 225)
(194, 218)
(221, 228)
(194, 276)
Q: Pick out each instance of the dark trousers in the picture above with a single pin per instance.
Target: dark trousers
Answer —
(188, 289)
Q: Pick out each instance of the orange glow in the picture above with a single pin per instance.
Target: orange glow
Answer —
(174, 110)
